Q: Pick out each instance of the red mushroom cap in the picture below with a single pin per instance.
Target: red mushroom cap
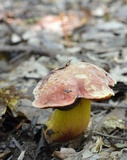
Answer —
(64, 85)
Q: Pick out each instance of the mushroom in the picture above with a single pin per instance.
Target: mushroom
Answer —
(69, 90)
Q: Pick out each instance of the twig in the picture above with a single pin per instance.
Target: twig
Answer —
(28, 49)
(107, 105)
(10, 27)
(17, 144)
(21, 156)
(109, 136)
(109, 50)
(18, 57)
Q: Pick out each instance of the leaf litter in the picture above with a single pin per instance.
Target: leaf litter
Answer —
(29, 50)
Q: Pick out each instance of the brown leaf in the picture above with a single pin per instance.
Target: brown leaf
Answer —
(112, 120)
(64, 153)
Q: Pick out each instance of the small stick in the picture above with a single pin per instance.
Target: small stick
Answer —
(109, 136)
(11, 28)
(107, 105)
(43, 50)
(17, 144)
(21, 156)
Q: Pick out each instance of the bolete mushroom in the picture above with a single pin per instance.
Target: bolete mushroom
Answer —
(69, 90)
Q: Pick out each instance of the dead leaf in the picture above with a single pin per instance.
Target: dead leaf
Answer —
(120, 145)
(64, 153)
(31, 68)
(86, 154)
(110, 25)
(25, 108)
(119, 155)
(119, 119)
(10, 96)
(98, 145)
(119, 73)
(2, 110)
(4, 154)
(111, 123)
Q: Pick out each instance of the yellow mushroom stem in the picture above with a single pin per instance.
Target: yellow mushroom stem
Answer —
(66, 125)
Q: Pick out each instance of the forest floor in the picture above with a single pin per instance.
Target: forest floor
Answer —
(39, 36)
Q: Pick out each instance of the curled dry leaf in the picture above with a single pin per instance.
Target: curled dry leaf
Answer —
(64, 153)
(70, 154)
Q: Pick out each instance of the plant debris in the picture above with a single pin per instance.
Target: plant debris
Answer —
(38, 36)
